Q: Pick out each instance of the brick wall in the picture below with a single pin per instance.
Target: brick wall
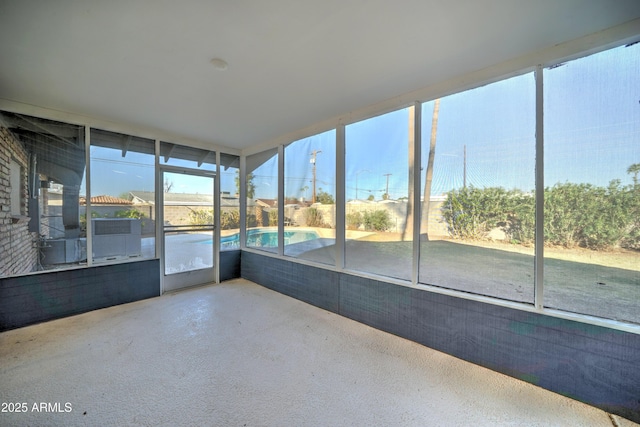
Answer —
(18, 248)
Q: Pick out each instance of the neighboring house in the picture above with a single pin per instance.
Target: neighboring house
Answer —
(267, 203)
(104, 206)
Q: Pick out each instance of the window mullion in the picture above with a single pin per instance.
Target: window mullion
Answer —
(416, 138)
(280, 200)
(539, 192)
(340, 197)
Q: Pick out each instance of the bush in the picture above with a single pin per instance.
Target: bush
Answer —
(581, 215)
(520, 226)
(354, 220)
(129, 213)
(273, 217)
(229, 220)
(201, 217)
(376, 220)
(471, 213)
(589, 216)
(313, 217)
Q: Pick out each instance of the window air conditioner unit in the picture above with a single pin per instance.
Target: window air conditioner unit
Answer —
(116, 238)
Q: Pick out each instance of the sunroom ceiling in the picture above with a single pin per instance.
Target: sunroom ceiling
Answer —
(290, 63)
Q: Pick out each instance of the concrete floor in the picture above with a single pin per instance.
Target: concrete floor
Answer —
(237, 354)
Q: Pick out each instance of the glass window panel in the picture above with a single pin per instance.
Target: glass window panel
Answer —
(377, 192)
(592, 193)
(44, 168)
(309, 205)
(477, 222)
(262, 200)
(229, 203)
(122, 197)
(188, 222)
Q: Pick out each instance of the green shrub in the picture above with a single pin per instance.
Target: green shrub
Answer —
(520, 226)
(129, 213)
(324, 198)
(470, 213)
(581, 215)
(229, 220)
(589, 216)
(379, 220)
(201, 217)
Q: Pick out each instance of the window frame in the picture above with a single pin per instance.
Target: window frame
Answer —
(538, 301)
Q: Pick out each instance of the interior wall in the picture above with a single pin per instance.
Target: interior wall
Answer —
(592, 364)
(39, 297)
(229, 265)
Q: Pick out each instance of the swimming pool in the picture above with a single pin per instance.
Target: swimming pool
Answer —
(259, 237)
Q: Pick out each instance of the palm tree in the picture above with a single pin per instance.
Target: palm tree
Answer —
(424, 224)
(407, 230)
(251, 187)
(634, 169)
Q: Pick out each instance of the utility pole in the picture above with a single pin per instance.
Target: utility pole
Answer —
(387, 191)
(464, 168)
(314, 153)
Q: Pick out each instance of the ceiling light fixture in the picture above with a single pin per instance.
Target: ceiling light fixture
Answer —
(219, 64)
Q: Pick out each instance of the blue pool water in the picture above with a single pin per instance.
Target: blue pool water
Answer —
(264, 238)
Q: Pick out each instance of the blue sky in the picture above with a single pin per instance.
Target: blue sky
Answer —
(592, 135)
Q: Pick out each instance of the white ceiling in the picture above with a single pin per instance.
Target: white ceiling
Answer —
(292, 63)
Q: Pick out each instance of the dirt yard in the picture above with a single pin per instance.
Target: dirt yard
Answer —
(619, 258)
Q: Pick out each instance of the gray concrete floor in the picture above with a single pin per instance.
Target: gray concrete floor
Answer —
(237, 354)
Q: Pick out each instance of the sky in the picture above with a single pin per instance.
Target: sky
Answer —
(592, 135)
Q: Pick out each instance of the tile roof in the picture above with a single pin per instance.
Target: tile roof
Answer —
(105, 200)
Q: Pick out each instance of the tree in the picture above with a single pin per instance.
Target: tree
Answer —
(168, 185)
(324, 198)
(251, 187)
(634, 169)
(371, 198)
(424, 226)
(407, 230)
(304, 191)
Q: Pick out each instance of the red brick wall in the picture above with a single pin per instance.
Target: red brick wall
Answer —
(18, 247)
